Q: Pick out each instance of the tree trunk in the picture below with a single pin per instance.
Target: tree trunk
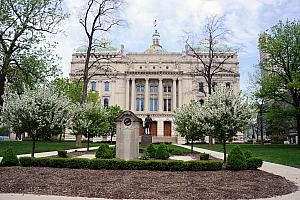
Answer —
(298, 130)
(88, 144)
(261, 128)
(78, 141)
(33, 147)
(111, 138)
(224, 148)
(192, 146)
(2, 86)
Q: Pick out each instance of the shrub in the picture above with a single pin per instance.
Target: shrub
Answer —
(236, 159)
(145, 156)
(248, 154)
(113, 150)
(204, 156)
(176, 151)
(254, 163)
(116, 164)
(162, 152)
(104, 152)
(62, 154)
(151, 150)
(9, 158)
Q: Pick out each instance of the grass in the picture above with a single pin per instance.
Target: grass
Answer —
(24, 147)
(277, 153)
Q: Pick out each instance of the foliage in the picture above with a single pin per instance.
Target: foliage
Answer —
(204, 156)
(104, 152)
(189, 121)
(24, 25)
(248, 154)
(280, 47)
(72, 89)
(253, 163)
(113, 113)
(62, 154)
(226, 112)
(41, 113)
(151, 150)
(236, 159)
(116, 164)
(162, 152)
(90, 120)
(9, 159)
(176, 151)
(145, 156)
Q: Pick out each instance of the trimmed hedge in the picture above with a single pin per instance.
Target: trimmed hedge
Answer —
(116, 164)
(9, 159)
(236, 159)
(204, 156)
(254, 163)
(62, 154)
(105, 152)
(162, 152)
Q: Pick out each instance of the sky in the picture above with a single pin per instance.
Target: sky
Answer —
(245, 19)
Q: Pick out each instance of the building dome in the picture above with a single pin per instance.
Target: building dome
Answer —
(156, 48)
(100, 46)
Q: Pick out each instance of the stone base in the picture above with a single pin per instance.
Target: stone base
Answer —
(146, 139)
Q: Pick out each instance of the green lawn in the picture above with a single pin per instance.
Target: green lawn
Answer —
(24, 147)
(276, 153)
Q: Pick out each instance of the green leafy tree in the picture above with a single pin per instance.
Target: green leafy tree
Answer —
(90, 120)
(113, 113)
(280, 48)
(23, 25)
(189, 122)
(41, 113)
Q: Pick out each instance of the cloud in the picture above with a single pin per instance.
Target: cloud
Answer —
(245, 18)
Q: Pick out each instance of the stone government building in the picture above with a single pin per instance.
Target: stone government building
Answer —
(154, 82)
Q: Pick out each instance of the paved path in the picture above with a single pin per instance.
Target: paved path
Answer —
(290, 173)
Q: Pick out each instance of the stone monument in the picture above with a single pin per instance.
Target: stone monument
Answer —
(127, 138)
(147, 137)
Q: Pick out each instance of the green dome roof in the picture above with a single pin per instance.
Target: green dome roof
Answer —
(156, 49)
(221, 48)
(100, 46)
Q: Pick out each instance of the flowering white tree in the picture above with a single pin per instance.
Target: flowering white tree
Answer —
(226, 113)
(41, 113)
(189, 122)
(90, 120)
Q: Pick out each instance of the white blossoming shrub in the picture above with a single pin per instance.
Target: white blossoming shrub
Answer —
(189, 121)
(41, 113)
(226, 113)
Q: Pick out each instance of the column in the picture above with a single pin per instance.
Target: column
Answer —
(180, 92)
(132, 95)
(160, 95)
(174, 94)
(146, 95)
(127, 90)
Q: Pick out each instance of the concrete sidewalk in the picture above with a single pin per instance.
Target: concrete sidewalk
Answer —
(4, 196)
(290, 173)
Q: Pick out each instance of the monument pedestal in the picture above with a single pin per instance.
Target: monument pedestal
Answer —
(146, 139)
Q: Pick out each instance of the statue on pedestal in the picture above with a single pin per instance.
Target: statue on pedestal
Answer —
(148, 122)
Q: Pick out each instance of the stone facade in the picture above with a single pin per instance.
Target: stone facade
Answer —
(154, 82)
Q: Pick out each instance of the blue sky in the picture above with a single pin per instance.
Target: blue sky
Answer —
(245, 18)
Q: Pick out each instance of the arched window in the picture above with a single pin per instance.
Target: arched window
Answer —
(106, 102)
(228, 85)
(201, 101)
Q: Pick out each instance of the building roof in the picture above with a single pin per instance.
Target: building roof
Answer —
(156, 49)
(101, 46)
(203, 46)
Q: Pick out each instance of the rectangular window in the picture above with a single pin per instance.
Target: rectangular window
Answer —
(139, 104)
(140, 89)
(106, 86)
(228, 85)
(94, 84)
(201, 87)
(153, 104)
(167, 105)
(167, 88)
(153, 89)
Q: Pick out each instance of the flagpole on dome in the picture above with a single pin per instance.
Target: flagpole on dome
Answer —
(155, 36)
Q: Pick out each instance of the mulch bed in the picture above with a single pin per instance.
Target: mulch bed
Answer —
(143, 184)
